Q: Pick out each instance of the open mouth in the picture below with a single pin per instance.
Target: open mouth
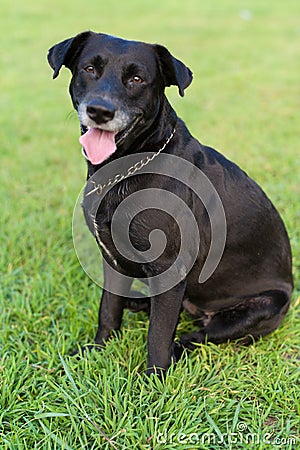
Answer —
(100, 144)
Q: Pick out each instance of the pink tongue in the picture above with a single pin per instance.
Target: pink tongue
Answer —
(98, 144)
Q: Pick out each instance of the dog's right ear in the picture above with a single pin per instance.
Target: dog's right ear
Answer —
(66, 52)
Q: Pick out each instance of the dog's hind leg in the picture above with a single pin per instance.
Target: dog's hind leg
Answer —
(252, 318)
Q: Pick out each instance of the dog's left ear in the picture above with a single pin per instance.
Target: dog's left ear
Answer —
(173, 71)
(66, 51)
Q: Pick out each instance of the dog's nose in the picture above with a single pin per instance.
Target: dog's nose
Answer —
(100, 111)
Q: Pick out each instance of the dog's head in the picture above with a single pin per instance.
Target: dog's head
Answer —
(116, 87)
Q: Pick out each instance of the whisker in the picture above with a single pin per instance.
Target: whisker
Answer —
(71, 114)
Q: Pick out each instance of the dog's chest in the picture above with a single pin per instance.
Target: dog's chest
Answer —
(113, 223)
(121, 248)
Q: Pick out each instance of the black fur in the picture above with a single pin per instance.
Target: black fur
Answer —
(249, 293)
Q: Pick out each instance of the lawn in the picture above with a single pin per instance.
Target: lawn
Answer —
(244, 101)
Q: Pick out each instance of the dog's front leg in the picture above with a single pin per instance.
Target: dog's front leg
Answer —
(109, 317)
(164, 315)
(111, 304)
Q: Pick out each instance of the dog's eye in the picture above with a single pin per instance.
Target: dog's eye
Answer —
(137, 79)
(132, 81)
(89, 69)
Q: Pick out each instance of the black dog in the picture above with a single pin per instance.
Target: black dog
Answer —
(117, 88)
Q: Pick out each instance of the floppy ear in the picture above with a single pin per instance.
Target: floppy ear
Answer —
(66, 51)
(173, 71)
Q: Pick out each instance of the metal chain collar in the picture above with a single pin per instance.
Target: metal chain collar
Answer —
(98, 188)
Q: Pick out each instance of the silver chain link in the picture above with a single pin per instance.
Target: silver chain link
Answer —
(131, 171)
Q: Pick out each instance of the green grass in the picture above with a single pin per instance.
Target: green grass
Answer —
(244, 101)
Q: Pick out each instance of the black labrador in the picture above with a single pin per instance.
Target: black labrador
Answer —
(118, 89)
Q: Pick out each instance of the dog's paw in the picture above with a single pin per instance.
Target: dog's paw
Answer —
(190, 341)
